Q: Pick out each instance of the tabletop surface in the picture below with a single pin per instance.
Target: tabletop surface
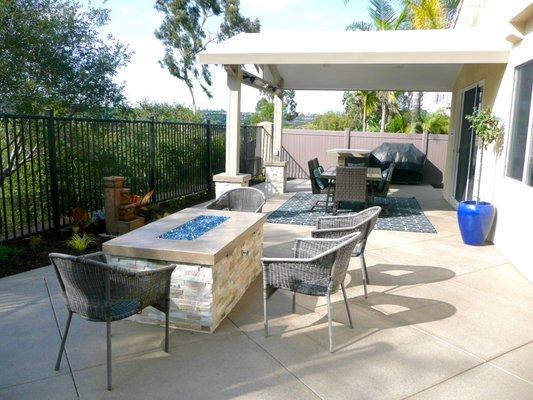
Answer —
(207, 249)
(372, 173)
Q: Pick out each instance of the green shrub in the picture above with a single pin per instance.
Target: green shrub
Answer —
(35, 242)
(10, 253)
(80, 243)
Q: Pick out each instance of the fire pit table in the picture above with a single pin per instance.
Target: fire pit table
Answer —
(217, 253)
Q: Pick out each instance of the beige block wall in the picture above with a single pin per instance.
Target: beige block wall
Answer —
(513, 199)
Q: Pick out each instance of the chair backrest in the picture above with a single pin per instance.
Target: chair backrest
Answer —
(245, 199)
(83, 285)
(364, 222)
(383, 187)
(350, 184)
(313, 165)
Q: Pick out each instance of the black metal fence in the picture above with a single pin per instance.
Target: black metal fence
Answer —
(50, 165)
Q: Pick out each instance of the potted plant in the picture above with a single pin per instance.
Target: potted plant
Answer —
(475, 216)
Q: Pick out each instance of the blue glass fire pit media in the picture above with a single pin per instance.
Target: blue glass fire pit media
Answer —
(194, 228)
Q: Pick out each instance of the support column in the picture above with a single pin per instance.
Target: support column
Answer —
(275, 169)
(233, 122)
(231, 178)
(266, 140)
(278, 126)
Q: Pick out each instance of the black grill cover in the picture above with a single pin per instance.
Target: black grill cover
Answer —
(409, 161)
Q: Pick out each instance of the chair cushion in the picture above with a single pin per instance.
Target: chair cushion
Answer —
(321, 182)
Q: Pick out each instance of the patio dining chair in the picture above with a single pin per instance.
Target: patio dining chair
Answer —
(319, 185)
(318, 268)
(245, 199)
(381, 188)
(331, 227)
(350, 186)
(102, 292)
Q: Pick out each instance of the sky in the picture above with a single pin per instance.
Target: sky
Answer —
(133, 22)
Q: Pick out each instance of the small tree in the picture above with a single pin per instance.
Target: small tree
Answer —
(488, 128)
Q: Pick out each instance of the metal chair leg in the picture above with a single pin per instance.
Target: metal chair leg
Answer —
(293, 302)
(108, 329)
(330, 328)
(167, 323)
(265, 316)
(366, 270)
(63, 341)
(363, 274)
(346, 304)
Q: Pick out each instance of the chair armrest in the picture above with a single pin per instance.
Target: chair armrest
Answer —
(309, 248)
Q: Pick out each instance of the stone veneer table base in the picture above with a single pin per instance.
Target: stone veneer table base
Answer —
(202, 295)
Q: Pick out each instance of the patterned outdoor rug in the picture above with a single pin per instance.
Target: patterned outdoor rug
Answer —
(404, 213)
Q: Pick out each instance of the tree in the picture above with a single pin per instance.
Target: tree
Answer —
(363, 102)
(53, 56)
(383, 17)
(162, 111)
(331, 121)
(264, 109)
(431, 14)
(184, 33)
(289, 105)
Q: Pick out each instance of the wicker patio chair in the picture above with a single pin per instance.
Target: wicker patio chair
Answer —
(102, 292)
(318, 268)
(340, 226)
(319, 185)
(350, 186)
(240, 199)
(381, 188)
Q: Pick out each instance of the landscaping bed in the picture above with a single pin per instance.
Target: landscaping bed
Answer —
(32, 252)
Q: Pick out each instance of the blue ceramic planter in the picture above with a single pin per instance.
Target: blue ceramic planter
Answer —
(475, 221)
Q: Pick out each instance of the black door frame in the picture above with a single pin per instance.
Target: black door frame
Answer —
(471, 170)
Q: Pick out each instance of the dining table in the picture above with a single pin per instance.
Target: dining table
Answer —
(373, 174)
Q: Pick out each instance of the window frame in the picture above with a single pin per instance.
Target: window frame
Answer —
(529, 135)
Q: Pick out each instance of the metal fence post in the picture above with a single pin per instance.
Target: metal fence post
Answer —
(151, 155)
(52, 155)
(209, 144)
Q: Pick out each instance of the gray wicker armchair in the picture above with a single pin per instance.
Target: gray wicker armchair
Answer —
(318, 269)
(240, 199)
(102, 292)
(340, 226)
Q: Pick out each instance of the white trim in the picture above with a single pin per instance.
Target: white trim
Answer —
(529, 137)
(457, 141)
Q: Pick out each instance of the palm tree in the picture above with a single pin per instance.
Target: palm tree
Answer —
(384, 18)
(431, 14)
(428, 14)
(362, 102)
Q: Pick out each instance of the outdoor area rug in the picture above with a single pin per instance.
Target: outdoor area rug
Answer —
(404, 213)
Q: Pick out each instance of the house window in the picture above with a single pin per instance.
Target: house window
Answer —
(520, 156)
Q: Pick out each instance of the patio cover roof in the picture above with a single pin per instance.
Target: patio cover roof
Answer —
(376, 60)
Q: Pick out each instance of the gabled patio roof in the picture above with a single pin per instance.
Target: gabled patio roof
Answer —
(377, 60)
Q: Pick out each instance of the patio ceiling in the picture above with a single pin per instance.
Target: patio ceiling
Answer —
(377, 60)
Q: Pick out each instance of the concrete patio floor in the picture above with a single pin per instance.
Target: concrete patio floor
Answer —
(442, 321)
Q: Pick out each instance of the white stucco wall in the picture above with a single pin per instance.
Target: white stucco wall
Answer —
(513, 199)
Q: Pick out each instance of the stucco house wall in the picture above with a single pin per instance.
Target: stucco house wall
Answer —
(513, 199)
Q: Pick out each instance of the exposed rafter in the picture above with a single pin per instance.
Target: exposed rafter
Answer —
(255, 81)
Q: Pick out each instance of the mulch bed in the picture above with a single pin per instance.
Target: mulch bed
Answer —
(21, 256)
